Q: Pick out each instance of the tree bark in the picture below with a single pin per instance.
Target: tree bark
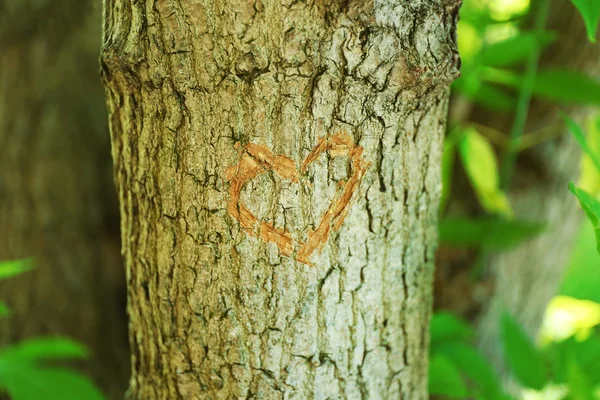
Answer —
(277, 166)
(57, 200)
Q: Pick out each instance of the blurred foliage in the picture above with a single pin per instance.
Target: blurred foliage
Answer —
(25, 372)
(500, 73)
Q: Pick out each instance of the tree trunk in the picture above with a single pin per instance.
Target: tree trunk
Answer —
(278, 171)
(57, 201)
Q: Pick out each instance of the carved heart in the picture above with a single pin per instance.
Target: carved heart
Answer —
(256, 160)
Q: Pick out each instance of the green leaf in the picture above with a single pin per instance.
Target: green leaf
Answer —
(481, 166)
(579, 386)
(567, 86)
(582, 275)
(4, 310)
(523, 358)
(591, 206)
(483, 93)
(557, 85)
(584, 353)
(487, 233)
(33, 350)
(590, 12)
(14, 267)
(473, 365)
(445, 378)
(493, 98)
(515, 49)
(447, 327)
(23, 382)
(580, 137)
(589, 177)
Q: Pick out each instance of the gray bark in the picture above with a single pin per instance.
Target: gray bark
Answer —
(278, 171)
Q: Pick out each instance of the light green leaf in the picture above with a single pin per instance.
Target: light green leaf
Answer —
(473, 365)
(515, 49)
(589, 178)
(36, 349)
(481, 166)
(590, 12)
(591, 206)
(523, 358)
(445, 378)
(14, 267)
(446, 327)
(580, 137)
(24, 382)
(582, 274)
(4, 310)
(487, 233)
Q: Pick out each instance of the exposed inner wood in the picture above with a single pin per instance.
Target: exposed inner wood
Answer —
(257, 159)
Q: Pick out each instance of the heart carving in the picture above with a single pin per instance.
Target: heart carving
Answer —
(256, 160)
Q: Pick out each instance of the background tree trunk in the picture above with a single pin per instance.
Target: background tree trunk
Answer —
(527, 277)
(57, 201)
(215, 110)
(523, 280)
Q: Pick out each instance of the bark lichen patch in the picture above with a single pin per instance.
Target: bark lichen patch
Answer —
(258, 159)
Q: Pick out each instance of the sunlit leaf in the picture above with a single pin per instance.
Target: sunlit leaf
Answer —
(590, 12)
(591, 206)
(25, 382)
(447, 327)
(472, 364)
(481, 166)
(582, 316)
(589, 177)
(470, 41)
(44, 348)
(487, 233)
(445, 378)
(14, 267)
(523, 358)
(515, 49)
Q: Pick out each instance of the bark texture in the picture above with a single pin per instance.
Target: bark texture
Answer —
(57, 201)
(278, 171)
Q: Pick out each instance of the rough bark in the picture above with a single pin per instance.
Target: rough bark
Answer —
(278, 172)
(57, 201)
